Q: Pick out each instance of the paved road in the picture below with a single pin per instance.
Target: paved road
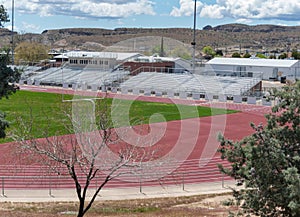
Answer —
(117, 193)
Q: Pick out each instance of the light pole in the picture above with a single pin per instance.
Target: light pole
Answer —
(194, 38)
(12, 32)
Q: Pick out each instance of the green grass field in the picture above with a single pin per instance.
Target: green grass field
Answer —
(47, 112)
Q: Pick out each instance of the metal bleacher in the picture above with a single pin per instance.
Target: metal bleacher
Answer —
(60, 76)
(161, 84)
(190, 83)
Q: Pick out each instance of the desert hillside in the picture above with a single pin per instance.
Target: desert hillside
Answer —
(228, 37)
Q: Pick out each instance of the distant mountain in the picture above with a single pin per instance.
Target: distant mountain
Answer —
(227, 37)
(257, 28)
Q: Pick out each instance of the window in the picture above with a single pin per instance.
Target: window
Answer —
(73, 61)
(275, 73)
(241, 70)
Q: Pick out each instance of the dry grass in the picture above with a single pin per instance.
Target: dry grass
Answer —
(192, 206)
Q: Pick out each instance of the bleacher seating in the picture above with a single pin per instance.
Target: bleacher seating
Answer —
(69, 76)
(172, 85)
(190, 83)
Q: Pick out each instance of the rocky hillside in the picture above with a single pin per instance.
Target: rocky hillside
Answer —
(228, 37)
(257, 28)
(5, 37)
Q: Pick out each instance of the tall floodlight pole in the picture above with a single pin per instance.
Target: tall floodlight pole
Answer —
(194, 39)
(12, 32)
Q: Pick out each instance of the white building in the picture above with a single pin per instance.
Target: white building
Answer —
(179, 65)
(106, 60)
(267, 69)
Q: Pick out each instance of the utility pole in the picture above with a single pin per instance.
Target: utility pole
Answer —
(194, 38)
(12, 32)
(162, 52)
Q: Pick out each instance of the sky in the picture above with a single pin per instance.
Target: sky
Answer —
(35, 16)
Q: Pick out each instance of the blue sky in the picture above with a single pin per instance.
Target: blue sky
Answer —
(36, 16)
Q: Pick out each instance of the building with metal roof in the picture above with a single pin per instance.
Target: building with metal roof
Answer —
(95, 59)
(267, 69)
(119, 56)
(156, 63)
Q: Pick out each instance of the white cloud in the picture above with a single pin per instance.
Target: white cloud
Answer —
(254, 9)
(30, 27)
(245, 21)
(85, 8)
(113, 10)
(212, 11)
(24, 27)
(186, 8)
(282, 24)
(9, 27)
(287, 10)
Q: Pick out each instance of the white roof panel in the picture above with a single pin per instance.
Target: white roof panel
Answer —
(252, 62)
(119, 56)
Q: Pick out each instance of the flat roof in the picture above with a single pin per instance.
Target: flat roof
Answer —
(152, 59)
(252, 62)
(116, 55)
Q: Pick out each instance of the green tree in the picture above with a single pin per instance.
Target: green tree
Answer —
(208, 52)
(31, 52)
(295, 54)
(282, 56)
(161, 50)
(219, 53)
(181, 52)
(247, 55)
(3, 16)
(7, 78)
(236, 55)
(260, 55)
(268, 161)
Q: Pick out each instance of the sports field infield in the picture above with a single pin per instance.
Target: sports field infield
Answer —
(46, 112)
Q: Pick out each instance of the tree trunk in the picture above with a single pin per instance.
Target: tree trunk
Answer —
(81, 207)
(80, 210)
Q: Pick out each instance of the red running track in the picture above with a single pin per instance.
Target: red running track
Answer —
(193, 141)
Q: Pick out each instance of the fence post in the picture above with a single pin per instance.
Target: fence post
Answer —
(50, 188)
(223, 180)
(3, 193)
(183, 181)
(141, 191)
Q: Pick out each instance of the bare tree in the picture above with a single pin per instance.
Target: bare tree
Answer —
(94, 152)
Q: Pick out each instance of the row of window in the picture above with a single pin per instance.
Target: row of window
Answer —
(90, 62)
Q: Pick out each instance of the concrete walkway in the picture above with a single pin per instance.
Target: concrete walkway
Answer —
(67, 195)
